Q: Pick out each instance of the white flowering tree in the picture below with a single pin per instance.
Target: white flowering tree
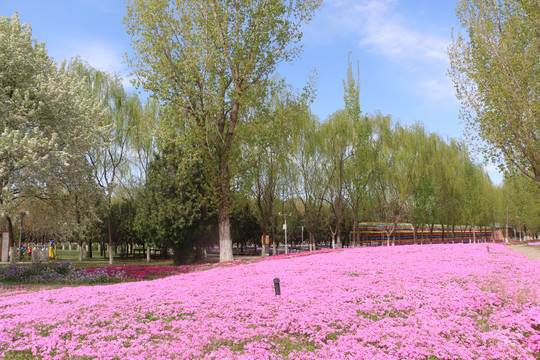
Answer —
(47, 121)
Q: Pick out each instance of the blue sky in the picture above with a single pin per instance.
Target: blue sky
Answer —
(400, 45)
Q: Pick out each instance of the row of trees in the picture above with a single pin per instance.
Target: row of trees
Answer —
(220, 142)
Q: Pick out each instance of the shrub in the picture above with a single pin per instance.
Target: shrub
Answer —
(60, 273)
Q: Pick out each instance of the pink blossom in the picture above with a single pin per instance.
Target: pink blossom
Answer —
(408, 302)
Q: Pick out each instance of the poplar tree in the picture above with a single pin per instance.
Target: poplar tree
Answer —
(201, 57)
(497, 78)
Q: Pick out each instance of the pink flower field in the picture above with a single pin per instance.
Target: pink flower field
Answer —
(404, 302)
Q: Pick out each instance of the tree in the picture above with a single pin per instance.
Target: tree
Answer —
(276, 116)
(522, 207)
(343, 134)
(497, 79)
(201, 58)
(311, 174)
(337, 142)
(395, 182)
(174, 207)
(471, 193)
(124, 113)
(47, 121)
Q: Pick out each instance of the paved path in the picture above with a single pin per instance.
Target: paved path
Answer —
(532, 252)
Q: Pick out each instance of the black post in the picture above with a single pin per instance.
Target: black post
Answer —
(276, 286)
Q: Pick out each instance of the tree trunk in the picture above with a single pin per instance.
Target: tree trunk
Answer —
(355, 231)
(110, 234)
(273, 235)
(225, 241)
(222, 186)
(339, 245)
(442, 234)
(11, 244)
(90, 247)
(80, 249)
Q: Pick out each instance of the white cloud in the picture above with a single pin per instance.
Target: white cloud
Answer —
(437, 89)
(379, 27)
(101, 56)
(416, 45)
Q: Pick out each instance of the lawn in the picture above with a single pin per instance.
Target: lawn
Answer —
(404, 302)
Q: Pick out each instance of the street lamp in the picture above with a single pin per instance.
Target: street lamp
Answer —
(22, 213)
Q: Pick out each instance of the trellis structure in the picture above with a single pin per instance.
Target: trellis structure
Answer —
(376, 234)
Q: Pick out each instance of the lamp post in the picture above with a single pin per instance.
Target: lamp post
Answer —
(22, 213)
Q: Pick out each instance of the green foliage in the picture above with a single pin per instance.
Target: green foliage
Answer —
(174, 208)
(275, 116)
(123, 115)
(497, 78)
(201, 58)
(521, 204)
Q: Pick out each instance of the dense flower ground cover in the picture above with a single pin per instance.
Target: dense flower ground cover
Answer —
(407, 302)
(150, 272)
(63, 272)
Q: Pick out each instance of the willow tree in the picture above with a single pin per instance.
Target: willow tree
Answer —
(311, 173)
(123, 114)
(345, 143)
(276, 115)
(497, 78)
(201, 58)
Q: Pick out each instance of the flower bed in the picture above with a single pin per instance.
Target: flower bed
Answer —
(59, 273)
(140, 272)
(407, 302)
(534, 243)
(150, 272)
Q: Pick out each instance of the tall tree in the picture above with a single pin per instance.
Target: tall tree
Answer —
(497, 78)
(343, 135)
(124, 111)
(522, 203)
(201, 58)
(399, 158)
(47, 121)
(311, 174)
(276, 116)
(337, 144)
